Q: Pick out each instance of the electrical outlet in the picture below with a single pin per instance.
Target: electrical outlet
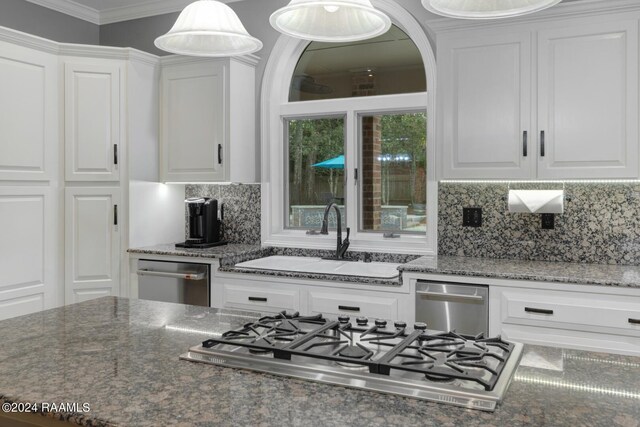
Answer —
(548, 221)
(472, 217)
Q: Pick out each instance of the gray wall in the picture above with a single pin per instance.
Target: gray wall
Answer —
(33, 19)
(254, 14)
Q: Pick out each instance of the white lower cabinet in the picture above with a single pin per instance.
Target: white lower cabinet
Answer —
(28, 250)
(579, 318)
(92, 243)
(274, 294)
(338, 302)
(255, 296)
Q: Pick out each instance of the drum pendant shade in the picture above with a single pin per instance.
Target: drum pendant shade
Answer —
(330, 20)
(486, 9)
(208, 28)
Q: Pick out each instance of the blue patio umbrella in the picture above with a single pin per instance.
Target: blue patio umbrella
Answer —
(331, 164)
(335, 163)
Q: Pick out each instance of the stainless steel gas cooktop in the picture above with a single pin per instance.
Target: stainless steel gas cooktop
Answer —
(473, 372)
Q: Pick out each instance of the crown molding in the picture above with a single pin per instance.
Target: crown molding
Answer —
(143, 10)
(29, 40)
(580, 8)
(71, 8)
(181, 59)
(117, 14)
(45, 45)
(121, 53)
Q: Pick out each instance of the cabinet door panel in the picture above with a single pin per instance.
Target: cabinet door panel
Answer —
(92, 243)
(28, 113)
(92, 121)
(486, 102)
(193, 120)
(588, 101)
(27, 251)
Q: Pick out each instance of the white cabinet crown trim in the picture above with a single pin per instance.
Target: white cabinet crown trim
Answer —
(34, 42)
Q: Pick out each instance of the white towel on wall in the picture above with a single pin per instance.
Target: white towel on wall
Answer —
(536, 201)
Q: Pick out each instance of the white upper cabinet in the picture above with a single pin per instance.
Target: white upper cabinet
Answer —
(93, 105)
(207, 120)
(486, 99)
(588, 101)
(28, 113)
(565, 107)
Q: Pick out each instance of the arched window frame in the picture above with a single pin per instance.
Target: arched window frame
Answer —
(275, 107)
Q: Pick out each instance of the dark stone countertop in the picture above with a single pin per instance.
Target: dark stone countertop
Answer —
(541, 271)
(121, 357)
(361, 280)
(232, 254)
(218, 252)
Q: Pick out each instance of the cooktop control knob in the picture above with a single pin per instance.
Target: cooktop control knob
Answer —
(343, 319)
(361, 321)
(400, 325)
(419, 326)
(381, 323)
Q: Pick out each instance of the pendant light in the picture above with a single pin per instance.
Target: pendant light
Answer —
(486, 9)
(208, 28)
(330, 20)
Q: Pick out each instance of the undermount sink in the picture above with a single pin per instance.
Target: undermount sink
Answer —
(378, 270)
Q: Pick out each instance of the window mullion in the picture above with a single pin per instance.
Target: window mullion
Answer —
(352, 161)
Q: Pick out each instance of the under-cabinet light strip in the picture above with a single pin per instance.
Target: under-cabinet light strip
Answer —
(577, 387)
(593, 360)
(193, 330)
(568, 181)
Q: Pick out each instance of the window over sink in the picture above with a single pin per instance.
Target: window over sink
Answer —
(351, 125)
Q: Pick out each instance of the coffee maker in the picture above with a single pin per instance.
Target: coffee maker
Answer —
(205, 228)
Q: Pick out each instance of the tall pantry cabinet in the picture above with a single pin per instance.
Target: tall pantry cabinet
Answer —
(29, 178)
(94, 137)
(64, 177)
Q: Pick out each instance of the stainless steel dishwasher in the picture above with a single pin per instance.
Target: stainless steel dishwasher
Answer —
(452, 306)
(174, 282)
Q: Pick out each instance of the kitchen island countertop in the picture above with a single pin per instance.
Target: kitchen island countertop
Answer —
(540, 271)
(121, 357)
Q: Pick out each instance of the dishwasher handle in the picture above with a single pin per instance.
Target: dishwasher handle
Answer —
(183, 276)
(444, 295)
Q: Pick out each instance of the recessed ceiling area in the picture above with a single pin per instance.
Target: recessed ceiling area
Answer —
(102, 12)
(108, 11)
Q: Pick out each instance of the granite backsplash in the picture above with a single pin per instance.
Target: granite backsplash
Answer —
(241, 209)
(601, 223)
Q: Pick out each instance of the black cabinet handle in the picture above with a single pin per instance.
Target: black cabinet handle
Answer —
(634, 321)
(219, 154)
(115, 214)
(538, 310)
(525, 143)
(258, 299)
(115, 154)
(348, 308)
(541, 143)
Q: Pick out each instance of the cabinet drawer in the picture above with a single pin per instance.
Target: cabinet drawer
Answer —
(353, 304)
(572, 310)
(260, 298)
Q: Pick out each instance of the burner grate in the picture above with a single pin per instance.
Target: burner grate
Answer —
(450, 356)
